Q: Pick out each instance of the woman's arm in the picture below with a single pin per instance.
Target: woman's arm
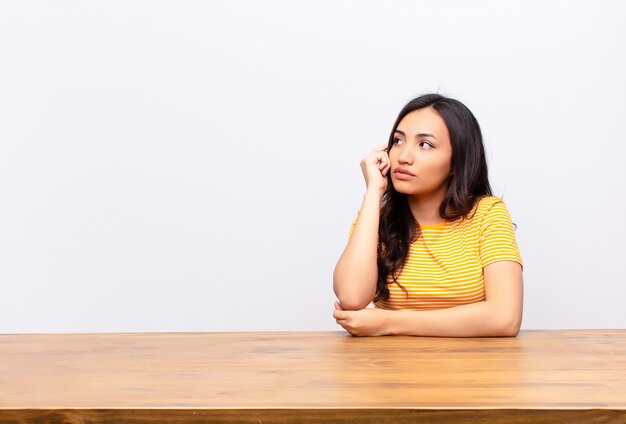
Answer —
(499, 315)
(356, 272)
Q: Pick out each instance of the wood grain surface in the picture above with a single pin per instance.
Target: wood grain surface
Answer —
(539, 376)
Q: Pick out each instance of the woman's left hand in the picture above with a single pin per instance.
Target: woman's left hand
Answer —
(365, 322)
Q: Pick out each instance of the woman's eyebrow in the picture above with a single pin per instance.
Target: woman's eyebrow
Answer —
(418, 134)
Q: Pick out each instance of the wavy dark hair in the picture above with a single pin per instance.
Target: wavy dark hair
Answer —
(467, 183)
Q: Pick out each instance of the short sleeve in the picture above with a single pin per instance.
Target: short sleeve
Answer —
(352, 226)
(497, 240)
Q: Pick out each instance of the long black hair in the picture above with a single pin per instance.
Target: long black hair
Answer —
(467, 183)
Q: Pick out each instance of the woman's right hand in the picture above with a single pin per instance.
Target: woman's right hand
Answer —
(375, 167)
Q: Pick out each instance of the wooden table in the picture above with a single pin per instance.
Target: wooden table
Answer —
(278, 377)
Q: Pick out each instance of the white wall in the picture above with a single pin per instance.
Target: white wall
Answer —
(193, 166)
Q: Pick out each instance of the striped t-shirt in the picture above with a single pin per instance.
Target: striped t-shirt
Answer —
(445, 264)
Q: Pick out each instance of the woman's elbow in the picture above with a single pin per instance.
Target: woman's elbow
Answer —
(353, 304)
(352, 297)
(510, 333)
(511, 329)
(351, 300)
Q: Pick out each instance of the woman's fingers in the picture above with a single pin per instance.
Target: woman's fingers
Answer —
(387, 164)
(339, 314)
(381, 147)
(383, 162)
(380, 153)
(379, 160)
(382, 158)
(342, 323)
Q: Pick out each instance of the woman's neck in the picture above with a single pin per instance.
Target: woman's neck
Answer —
(425, 208)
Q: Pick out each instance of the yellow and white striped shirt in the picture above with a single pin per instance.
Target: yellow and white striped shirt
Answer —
(445, 264)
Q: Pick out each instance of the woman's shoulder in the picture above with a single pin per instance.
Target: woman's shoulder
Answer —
(490, 208)
(488, 201)
(485, 205)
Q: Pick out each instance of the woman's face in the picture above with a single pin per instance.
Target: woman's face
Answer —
(422, 147)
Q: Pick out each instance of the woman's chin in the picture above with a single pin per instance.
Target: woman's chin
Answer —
(402, 188)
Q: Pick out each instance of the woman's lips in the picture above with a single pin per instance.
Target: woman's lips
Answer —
(402, 175)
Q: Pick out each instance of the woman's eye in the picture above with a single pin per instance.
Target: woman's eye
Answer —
(426, 146)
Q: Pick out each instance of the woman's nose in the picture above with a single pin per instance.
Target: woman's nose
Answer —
(404, 156)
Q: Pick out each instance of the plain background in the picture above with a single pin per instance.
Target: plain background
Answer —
(194, 166)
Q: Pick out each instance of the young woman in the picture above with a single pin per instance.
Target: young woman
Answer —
(431, 246)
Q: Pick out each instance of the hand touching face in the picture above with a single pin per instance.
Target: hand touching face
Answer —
(375, 167)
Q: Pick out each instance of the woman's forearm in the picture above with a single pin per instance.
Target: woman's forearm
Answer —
(478, 319)
(356, 272)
